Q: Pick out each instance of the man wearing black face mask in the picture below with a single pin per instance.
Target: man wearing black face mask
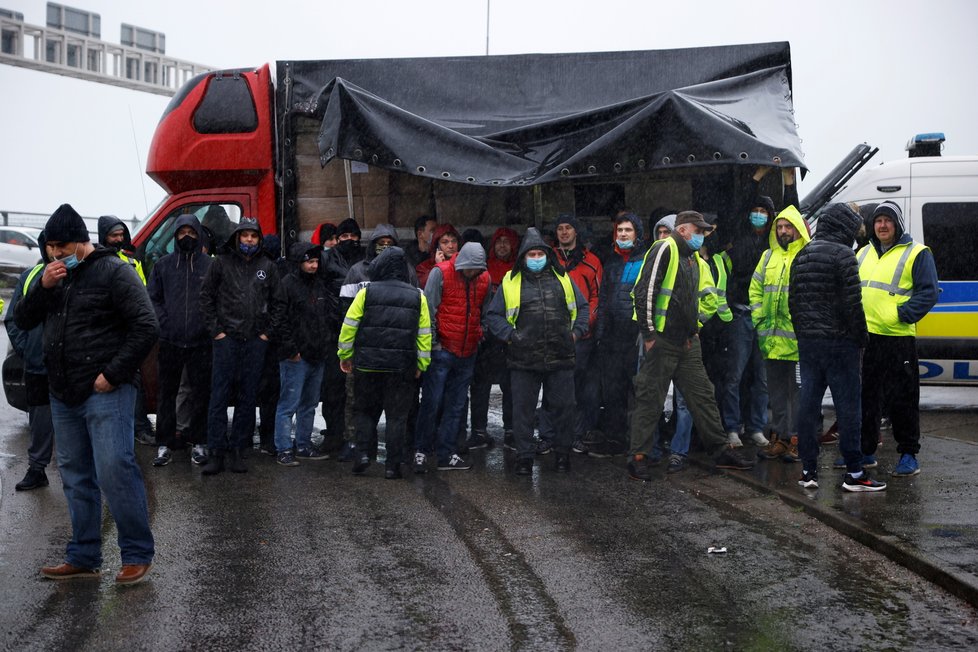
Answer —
(174, 288)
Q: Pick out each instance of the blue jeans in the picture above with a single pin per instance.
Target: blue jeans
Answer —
(684, 425)
(444, 388)
(834, 364)
(237, 363)
(94, 444)
(300, 384)
(743, 358)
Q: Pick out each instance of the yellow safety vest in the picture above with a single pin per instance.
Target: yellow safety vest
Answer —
(723, 265)
(887, 283)
(511, 296)
(668, 281)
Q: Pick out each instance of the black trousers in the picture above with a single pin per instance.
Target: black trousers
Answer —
(170, 363)
(334, 395)
(558, 396)
(393, 392)
(891, 383)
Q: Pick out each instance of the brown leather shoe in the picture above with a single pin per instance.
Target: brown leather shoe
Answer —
(66, 571)
(132, 573)
(774, 450)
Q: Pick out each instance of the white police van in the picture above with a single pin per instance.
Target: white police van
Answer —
(939, 198)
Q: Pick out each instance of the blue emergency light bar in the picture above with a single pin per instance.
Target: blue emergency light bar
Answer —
(926, 144)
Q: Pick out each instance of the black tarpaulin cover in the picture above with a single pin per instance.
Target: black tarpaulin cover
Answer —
(526, 119)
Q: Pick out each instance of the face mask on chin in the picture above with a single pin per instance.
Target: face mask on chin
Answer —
(625, 244)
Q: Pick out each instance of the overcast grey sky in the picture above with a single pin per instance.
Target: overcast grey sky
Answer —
(864, 71)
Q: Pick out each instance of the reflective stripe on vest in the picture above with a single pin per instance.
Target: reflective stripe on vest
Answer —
(655, 314)
(32, 276)
(723, 265)
(511, 296)
(887, 283)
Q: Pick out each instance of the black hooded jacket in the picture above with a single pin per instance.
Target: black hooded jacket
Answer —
(302, 315)
(107, 223)
(237, 292)
(359, 274)
(824, 294)
(542, 339)
(174, 288)
(99, 320)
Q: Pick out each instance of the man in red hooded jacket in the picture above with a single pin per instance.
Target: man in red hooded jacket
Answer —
(444, 244)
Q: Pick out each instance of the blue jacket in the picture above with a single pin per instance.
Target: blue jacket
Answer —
(174, 288)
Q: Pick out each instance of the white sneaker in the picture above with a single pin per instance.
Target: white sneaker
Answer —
(758, 438)
(733, 439)
(198, 455)
(163, 456)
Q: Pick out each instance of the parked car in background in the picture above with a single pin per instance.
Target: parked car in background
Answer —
(18, 248)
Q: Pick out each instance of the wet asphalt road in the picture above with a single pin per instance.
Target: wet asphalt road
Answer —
(313, 557)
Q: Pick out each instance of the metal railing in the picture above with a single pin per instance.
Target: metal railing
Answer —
(82, 57)
(38, 220)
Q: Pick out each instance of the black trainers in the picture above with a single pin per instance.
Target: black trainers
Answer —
(563, 463)
(311, 453)
(215, 463)
(479, 439)
(145, 437)
(544, 447)
(393, 472)
(163, 456)
(198, 455)
(638, 468)
(677, 463)
(607, 448)
(287, 458)
(35, 479)
(456, 463)
(236, 463)
(579, 447)
(361, 464)
(733, 459)
(809, 479)
(348, 454)
(420, 463)
(863, 483)
(524, 466)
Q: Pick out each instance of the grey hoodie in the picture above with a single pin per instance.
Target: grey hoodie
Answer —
(470, 256)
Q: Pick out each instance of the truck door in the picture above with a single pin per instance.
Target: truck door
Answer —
(218, 213)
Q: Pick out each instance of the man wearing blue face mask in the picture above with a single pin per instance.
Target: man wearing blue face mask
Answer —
(667, 310)
(99, 326)
(539, 313)
(235, 298)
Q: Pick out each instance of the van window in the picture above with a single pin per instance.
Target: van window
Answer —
(951, 231)
(219, 219)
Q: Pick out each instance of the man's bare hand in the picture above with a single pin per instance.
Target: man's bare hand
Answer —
(103, 386)
(53, 274)
(220, 336)
(760, 172)
(346, 366)
(648, 344)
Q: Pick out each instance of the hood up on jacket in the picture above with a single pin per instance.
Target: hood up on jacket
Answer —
(669, 221)
(189, 219)
(893, 211)
(437, 234)
(246, 224)
(300, 252)
(107, 224)
(324, 232)
(389, 265)
(381, 231)
(798, 221)
(837, 223)
(471, 256)
(534, 240)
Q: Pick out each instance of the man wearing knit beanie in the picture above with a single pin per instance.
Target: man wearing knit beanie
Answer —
(97, 315)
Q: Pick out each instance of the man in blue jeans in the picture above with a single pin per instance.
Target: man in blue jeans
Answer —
(235, 299)
(303, 325)
(457, 291)
(99, 326)
(825, 301)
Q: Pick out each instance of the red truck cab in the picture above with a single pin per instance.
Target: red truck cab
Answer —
(213, 152)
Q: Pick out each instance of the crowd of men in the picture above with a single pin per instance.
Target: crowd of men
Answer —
(757, 320)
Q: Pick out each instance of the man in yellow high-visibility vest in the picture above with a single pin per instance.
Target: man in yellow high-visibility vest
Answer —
(899, 286)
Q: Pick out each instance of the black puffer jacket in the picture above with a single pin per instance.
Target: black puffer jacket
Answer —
(387, 337)
(98, 321)
(824, 295)
(174, 288)
(302, 313)
(542, 339)
(237, 292)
